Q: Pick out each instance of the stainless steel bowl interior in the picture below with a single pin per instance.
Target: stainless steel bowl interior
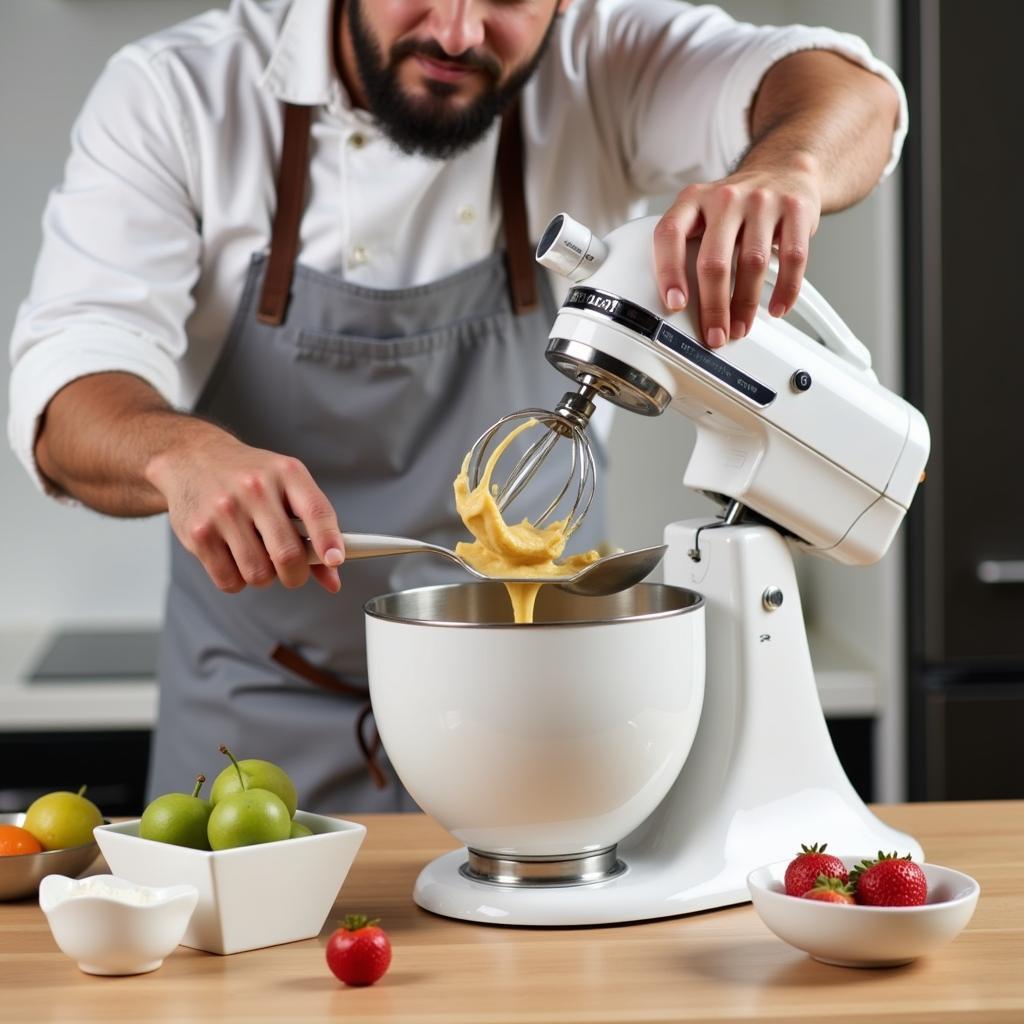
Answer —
(487, 604)
(21, 874)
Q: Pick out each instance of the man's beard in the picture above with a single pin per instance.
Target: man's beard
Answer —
(429, 126)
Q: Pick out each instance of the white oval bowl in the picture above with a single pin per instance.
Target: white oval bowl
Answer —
(856, 936)
(106, 935)
(543, 740)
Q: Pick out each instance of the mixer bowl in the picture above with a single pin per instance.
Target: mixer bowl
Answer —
(545, 740)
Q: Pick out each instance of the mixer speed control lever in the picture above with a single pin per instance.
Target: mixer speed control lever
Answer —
(771, 599)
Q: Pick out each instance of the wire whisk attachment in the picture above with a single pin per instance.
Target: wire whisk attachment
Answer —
(566, 425)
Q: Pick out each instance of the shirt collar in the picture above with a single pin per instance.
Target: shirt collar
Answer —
(301, 67)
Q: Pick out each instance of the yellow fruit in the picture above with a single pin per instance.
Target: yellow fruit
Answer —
(61, 820)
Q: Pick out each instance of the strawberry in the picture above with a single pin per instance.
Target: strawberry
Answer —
(830, 890)
(812, 861)
(360, 952)
(889, 881)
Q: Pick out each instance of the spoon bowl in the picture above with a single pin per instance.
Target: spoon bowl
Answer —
(612, 573)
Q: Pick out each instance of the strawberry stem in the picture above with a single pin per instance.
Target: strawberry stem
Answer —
(813, 848)
(353, 922)
(867, 865)
(830, 884)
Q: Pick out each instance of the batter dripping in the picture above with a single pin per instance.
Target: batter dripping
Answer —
(521, 549)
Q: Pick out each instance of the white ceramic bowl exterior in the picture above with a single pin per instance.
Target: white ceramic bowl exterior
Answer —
(108, 936)
(866, 936)
(537, 740)
(251, 896)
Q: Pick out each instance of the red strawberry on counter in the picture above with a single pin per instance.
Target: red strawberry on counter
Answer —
(889, 881)
(830, 890)
(358, 953)
(803, 870)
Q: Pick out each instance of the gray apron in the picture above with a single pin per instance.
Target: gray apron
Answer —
(380, 394)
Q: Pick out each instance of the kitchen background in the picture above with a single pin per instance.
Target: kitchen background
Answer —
(81, 595)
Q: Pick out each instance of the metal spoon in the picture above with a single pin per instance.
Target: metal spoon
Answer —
(608, 575)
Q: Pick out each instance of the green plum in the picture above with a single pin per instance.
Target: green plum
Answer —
(247, 816)
(257, 775)
(62, 819)
(299, 830)
(178, 819)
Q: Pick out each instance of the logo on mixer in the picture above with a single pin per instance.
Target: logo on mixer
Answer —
(602, 302)
(595, 300)
(617, 309)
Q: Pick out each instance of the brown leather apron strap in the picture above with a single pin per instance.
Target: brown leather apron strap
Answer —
(293, 172)
(290, 659)
(519, 255)
(370, 747)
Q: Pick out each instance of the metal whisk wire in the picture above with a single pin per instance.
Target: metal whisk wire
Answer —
(568, 421)
(580, 480)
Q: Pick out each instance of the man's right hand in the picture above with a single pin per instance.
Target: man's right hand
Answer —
(231, 506)
(111, 441)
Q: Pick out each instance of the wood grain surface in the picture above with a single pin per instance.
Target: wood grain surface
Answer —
(716, 966)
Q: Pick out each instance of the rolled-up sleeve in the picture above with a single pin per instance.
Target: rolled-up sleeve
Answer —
(112, 287)
(680, 84)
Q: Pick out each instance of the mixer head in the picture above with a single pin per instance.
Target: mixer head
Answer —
(792, 425)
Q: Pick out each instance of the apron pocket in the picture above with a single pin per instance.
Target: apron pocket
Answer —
(344, 348)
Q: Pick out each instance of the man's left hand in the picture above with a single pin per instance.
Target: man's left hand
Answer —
(740, 219)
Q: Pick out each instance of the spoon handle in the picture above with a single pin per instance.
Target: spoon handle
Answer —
(373, 545)
(369, 545)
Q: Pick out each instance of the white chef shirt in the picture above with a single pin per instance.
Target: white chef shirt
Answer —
(169, 188)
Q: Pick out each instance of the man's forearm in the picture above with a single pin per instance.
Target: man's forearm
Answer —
(100, 435)
(111, 441)
(818, 112)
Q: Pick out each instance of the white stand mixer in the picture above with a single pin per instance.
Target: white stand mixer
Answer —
(800, 432)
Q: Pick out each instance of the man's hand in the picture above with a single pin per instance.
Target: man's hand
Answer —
(822, 130)
(111, 441)
(741, 217)
(231, 506)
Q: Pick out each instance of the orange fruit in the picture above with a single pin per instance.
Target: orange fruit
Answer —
(15, 840)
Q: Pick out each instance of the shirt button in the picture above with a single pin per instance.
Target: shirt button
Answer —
(357, 140)
(466, 214)
(358, 256)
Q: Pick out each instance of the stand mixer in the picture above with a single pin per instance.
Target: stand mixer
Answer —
(806, 451)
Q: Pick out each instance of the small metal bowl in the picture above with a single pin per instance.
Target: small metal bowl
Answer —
(21, 873)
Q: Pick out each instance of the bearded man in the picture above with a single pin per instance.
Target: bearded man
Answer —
(288, 275)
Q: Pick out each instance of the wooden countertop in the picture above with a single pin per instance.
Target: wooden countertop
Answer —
(716, 966)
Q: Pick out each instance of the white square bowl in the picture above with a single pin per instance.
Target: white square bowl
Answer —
(251, 896)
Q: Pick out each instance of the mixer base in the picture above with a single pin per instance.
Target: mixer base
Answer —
(670, 873)
(761, 778)
(444, 888)
(539, 872)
